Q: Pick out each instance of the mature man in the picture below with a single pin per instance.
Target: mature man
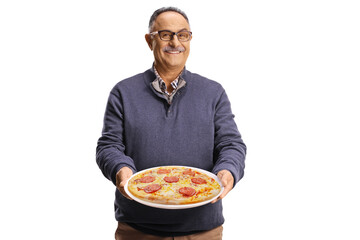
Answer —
(169, 116)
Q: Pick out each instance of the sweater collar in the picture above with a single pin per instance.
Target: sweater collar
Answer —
(151, 76)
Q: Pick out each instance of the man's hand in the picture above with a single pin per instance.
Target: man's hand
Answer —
(227, 181)
(121, 177)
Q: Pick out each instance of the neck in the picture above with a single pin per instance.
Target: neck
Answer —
(168, 74)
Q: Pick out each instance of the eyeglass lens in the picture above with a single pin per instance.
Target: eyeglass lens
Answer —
(167, 35)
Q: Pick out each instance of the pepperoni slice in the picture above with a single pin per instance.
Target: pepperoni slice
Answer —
(198, 180)
(152, 188)
(187, 191)
(147, 179)
(172, 179)
(163, 171)
(189, 172)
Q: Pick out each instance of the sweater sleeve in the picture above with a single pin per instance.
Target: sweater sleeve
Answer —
(110, 151)
(229, 149)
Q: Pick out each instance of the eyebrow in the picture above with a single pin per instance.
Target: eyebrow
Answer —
(184, 29)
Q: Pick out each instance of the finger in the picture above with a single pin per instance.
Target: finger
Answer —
(122, 190)
(125, 195)
(217, 199)
(227, 184)
(223, 194)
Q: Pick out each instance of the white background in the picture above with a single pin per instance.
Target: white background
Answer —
(290, 69)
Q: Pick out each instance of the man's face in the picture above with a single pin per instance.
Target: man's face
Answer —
(166, 56)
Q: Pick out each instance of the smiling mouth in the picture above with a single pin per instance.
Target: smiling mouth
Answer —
(173, 52)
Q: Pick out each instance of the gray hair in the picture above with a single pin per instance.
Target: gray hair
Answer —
(162, 10)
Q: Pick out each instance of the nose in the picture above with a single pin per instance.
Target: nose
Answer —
(174, 42)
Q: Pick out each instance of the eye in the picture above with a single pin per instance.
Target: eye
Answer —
(183, 35)
(166, 35)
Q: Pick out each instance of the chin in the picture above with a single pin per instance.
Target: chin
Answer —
(174, 63)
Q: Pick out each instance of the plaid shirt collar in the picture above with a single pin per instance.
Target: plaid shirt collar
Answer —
(162, 84)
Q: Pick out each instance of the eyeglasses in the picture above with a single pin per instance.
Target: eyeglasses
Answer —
(167, 35)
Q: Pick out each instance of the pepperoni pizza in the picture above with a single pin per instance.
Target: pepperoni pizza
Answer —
(173, 185)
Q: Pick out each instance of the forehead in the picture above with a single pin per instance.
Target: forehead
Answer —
(170, 21)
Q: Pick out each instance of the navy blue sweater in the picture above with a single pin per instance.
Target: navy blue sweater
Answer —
(141, 130)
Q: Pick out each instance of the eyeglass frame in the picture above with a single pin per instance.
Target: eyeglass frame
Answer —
(172, 34)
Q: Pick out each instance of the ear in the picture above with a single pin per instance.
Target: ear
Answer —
(148, 40)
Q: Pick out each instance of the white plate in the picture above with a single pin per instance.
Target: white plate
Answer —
(172, 206)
